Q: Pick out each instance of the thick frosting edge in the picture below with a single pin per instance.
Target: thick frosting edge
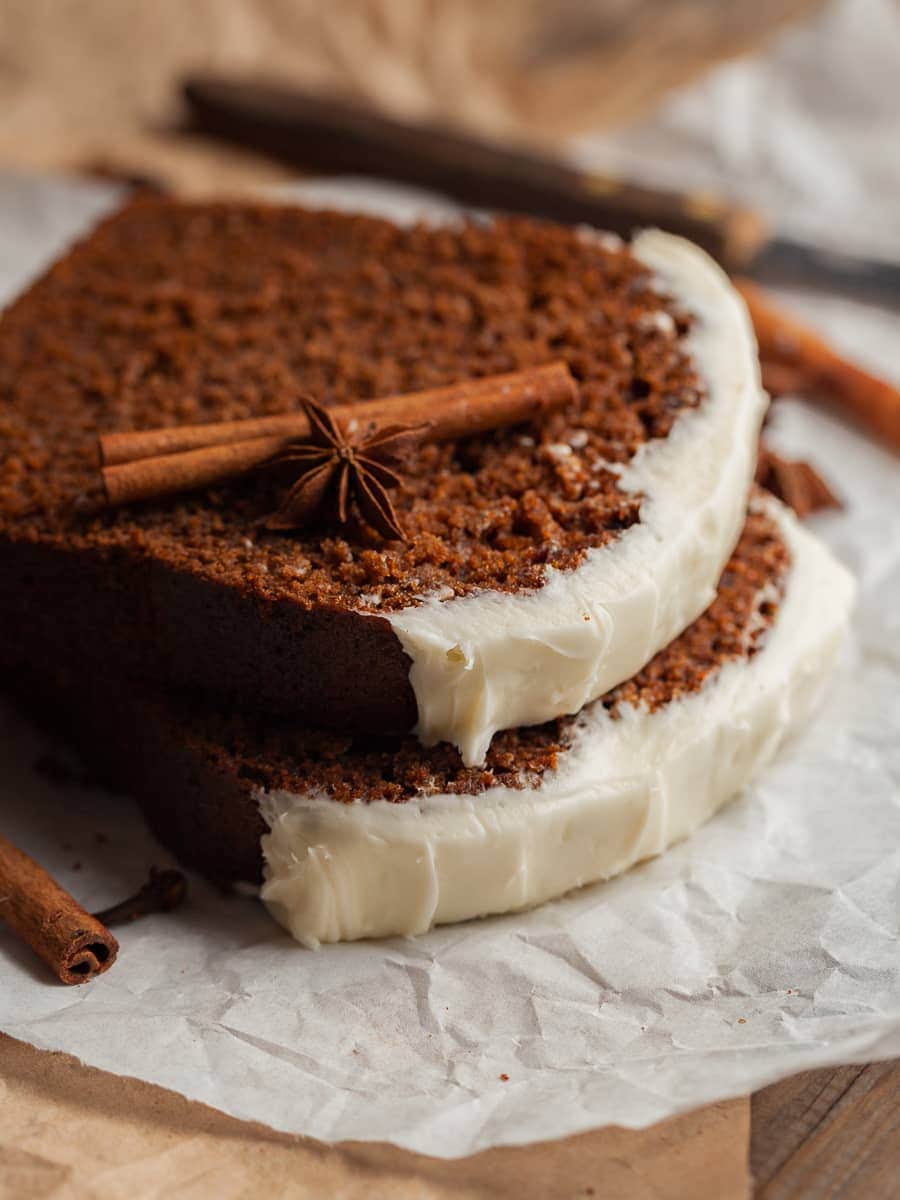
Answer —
(499, 660)
(625, 791)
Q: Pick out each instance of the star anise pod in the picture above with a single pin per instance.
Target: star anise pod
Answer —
(335, 469)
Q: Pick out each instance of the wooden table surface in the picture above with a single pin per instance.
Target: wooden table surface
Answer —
(833, 1133)
(68, 1131)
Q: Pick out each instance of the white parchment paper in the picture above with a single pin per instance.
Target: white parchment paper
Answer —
(766, 944)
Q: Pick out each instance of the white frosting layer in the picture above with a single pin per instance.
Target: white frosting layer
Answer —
(497, 660)
(625, 790)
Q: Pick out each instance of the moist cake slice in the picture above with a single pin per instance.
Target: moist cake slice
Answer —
(540, 566)
(362, 837)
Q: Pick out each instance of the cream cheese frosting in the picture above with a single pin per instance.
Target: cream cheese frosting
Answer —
(625, 790)
(498, 660)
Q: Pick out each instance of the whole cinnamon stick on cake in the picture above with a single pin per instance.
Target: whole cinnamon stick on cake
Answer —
(154, 463)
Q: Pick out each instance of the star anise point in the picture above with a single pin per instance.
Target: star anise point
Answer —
(338, 469)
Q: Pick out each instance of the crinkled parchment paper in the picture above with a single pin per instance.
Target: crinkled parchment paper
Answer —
(766, 944)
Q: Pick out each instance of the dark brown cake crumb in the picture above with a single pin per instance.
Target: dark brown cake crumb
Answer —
(173, 313)
(56, 770)
(275, 756)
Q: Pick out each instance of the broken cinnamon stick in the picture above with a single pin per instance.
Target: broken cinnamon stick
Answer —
(74, 944)
(795, 482)
(797, 359)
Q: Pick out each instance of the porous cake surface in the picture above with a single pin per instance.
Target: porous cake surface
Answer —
(176, 313)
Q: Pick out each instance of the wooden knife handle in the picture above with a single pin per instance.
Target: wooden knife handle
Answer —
(320, 132)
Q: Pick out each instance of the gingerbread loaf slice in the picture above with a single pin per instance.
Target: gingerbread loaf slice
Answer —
(540, 565)
(356, 836)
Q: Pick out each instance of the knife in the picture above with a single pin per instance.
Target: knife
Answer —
(315, 131)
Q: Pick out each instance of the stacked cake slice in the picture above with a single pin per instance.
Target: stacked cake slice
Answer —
(534, 686)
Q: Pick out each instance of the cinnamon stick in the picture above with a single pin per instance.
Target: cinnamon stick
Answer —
(152, 478)
(797, 359)
(150, 464)
(74, 944)
(795, 482)
(461, 408)
(782, 379)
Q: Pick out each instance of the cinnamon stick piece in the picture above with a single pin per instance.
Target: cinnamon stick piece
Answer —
(795, 482)
(74, 944)
(807, 365)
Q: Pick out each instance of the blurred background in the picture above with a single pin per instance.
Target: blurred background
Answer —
(790, 105)
(88, 77)
(776, 115)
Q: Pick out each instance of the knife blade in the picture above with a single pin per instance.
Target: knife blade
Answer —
(314, 131)
(782, 260)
